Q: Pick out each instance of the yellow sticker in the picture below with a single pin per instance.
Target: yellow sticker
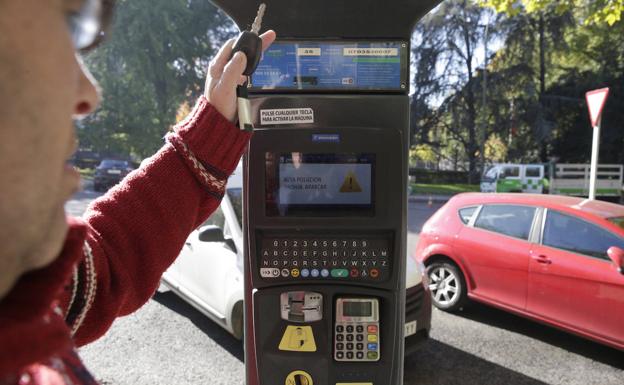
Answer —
(299, 377)
(298, 339)
(350, 184)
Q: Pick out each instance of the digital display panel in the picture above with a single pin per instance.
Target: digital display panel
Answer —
(309, 65)
(303, 184)
(357, 309)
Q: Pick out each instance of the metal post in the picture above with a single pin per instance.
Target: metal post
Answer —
(594, 162)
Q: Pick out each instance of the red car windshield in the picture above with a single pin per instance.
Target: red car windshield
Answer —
(619, 221)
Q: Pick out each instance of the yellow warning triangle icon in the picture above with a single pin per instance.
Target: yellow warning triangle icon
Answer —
(298, 339)
(350, 184)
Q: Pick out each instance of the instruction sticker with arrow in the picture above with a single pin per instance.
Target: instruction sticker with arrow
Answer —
(298, 339)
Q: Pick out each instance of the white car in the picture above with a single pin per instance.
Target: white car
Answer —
(208, 274)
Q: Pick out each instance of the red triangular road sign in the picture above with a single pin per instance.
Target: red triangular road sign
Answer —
(595, 102)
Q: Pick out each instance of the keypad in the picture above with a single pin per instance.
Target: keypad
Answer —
(332, 258)
(367, 350)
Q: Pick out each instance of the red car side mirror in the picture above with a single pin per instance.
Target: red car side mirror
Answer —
(617, 256)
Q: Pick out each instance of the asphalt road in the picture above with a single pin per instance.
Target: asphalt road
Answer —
(169, 342)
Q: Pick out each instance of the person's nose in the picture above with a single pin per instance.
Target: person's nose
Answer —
(88, 92)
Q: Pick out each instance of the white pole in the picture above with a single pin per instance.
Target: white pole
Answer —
(594, 162)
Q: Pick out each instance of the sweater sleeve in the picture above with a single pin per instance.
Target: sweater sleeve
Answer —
(137, 229)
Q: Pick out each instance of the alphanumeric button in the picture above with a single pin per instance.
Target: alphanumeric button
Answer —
(340, 346)
(349, 346)
(340, 355)
(339, 337)
(350, 329)
(349, 355)
(360, 329)
(359, 346)
(339, 328)
(349, 337)
(359, 337)
(359, 355)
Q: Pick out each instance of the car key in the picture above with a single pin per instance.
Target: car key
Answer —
(251, 45)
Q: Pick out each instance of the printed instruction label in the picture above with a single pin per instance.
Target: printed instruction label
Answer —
(287, 116)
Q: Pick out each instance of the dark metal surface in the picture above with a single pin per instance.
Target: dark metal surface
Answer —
(361, 19)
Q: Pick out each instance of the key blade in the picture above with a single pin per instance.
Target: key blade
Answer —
(255, 27)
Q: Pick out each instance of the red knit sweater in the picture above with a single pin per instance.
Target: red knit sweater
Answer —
(112, 260)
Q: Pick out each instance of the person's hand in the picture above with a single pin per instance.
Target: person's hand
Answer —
(225, 74)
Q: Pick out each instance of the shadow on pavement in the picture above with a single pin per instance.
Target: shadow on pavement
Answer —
(215, 332)
(494, 317)
(436, 364)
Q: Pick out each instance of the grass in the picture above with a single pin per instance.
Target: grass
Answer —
(443, 189)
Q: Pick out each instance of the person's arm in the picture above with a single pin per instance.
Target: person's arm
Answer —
(138, 228)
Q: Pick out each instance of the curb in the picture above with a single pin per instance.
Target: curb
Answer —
(429, 198)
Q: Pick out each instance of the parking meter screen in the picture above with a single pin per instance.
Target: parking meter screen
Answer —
(309, 65)
(357, 309)
(303, 184)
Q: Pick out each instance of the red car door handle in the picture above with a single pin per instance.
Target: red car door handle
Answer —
(542, 259)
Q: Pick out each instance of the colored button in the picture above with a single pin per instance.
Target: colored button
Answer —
(305, 273)
(372, 346)
(269, 272)
(372, 328)
(294, 273)
(314, 273)
(324, 273)
(372, 355)
(355, 273)
(372, 338)
(339, 273)
(285, 273)
(374, 273)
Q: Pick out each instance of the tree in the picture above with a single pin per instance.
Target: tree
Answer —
(155, 59)
(593, 11)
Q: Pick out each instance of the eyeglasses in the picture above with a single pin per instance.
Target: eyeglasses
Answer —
(87, 26)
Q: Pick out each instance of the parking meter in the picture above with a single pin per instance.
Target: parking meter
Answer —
(325, 192)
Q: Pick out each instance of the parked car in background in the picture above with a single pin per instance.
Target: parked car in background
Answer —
(528, 178)
(555, 259)
(208, 273)
(109, 172)
(84, 158)
(555, 178)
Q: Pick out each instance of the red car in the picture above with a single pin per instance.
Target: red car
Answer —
(555, 259)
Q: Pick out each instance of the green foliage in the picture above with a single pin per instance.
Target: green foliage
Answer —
(593, 11)
(529, 99)
(495, 149)
(422, 152)
(154, 60)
